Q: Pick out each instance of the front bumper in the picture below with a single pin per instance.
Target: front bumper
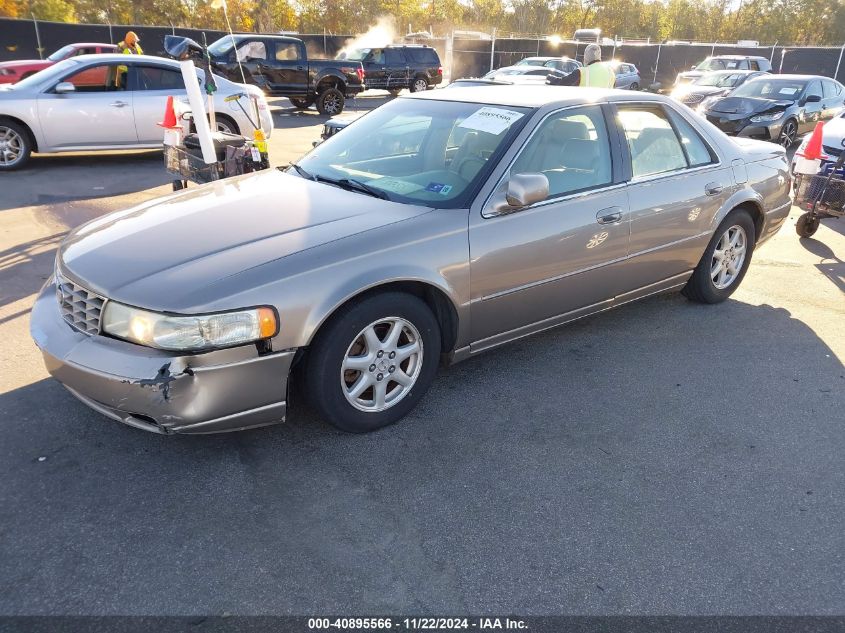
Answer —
(746, 129)
(223, 390)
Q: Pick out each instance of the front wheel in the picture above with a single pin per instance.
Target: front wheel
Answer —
(373, 362)
(635, 86)
(807, 225)
(788, 134)
(15, 146)
(725, 260)
(330, 102)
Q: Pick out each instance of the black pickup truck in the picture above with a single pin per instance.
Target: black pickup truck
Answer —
(280, 66)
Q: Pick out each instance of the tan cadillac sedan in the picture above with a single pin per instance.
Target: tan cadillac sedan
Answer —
(436, 227)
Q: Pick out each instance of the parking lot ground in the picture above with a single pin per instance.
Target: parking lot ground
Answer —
(661, 458)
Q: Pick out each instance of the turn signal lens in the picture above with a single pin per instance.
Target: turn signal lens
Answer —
(267, 325)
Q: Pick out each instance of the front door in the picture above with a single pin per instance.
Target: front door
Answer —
(812, 109)
(552, 258)
(375, 67)
(288, 69)
(398, 69)
(97, 113)
(676, 188)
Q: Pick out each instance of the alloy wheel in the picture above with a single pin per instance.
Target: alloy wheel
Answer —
(382, 364)
(788, 134)
(332, 104)
(728, 257)
(223, 126)
(11, 146)
(420, 85)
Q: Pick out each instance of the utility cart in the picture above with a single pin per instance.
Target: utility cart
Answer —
(820, 195)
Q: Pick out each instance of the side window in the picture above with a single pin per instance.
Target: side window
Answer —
(815, 88)
(85, 51)
(376, 56)
(157, 78)
(753, 65)
(654, 147)
(394, 57)
(696, 150)
(286, 51)
(102, 78)
(831, 89)
(571, 148)
(252, 50)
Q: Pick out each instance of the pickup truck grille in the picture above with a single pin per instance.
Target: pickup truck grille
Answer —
(81, 308)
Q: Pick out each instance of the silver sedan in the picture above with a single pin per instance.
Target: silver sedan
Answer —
(436, 227)
(107, 102)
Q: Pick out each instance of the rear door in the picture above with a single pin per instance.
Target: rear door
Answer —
(375, 67)
(97, 114)
(559, 255)
(151, 84)
(676, 186)
(398, 69)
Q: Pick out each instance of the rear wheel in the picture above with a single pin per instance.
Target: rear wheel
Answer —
(330, 102)
(635, 86)
(371, 364)
(301, 104)
(419, 85)
(394, 92)
(725, 260)
(807, 225)
(226, 125)
(15, 146)
(788, 134)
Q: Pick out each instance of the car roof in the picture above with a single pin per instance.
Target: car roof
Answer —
(83, 44)
(795, 77)
(119, 57)
(736, 71)
(534, 96)
(737, 57)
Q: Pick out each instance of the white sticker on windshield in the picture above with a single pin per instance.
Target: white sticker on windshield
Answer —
(394, 185)
(491, 120)
(788, 91)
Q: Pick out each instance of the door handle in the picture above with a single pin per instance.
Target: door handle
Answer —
(118, 104)
(713, 189)
(300, 67)
(611, 215)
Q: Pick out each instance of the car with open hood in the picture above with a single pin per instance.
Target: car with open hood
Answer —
(717, 83)
(438, 226)
(776, 108)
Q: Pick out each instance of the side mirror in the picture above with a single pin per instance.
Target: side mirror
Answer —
(812, 99)
(65, 87)
(522, 190)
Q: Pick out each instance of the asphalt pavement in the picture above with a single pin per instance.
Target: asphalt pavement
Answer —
(662, 458)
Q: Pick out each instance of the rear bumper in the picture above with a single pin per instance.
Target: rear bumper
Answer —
(224, 390)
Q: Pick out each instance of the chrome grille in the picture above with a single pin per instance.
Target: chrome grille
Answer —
(81, 308)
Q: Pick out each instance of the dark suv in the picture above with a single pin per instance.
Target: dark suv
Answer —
(396, 67)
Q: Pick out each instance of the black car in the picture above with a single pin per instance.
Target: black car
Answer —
(280, 66)
(393, 68)
(713, 84)
(776, 107)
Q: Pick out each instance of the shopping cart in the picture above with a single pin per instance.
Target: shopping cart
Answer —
(235, 155)
(821, 196)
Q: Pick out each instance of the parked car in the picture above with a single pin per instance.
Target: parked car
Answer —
(520, 73)
(833, 141)
(14, 71)
(105, 102)
(438, 226)
(627, 76)
(776, 107)
(395, 68)
(714, 84)
(563, 64)
(724, 62)
(280, 66)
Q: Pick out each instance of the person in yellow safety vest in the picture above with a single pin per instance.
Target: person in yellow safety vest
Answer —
(593, 74)
(130, 45)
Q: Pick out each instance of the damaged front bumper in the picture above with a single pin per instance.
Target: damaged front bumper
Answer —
(223, 390)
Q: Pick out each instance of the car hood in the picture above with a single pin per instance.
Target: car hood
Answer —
(689, 75)
(25, 63)
(833, 133)
(158, 254)
(746, 106)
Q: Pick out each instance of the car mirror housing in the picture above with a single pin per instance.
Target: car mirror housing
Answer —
(65, 87)
(812, 99)
(522, 190)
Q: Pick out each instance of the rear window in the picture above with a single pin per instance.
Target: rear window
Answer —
(422, 56)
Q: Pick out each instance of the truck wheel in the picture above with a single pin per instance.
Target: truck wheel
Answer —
(301, 104)
(419, 85)
(394, 92)
(330, 102)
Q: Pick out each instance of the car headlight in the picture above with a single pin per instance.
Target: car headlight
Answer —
(189, 333)
(767, 118)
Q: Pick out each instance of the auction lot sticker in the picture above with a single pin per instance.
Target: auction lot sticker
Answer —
(491, 120)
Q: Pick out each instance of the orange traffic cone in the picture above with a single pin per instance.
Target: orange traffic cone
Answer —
(169, 122)
(813, 150)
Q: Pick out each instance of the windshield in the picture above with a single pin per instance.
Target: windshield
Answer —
(357, 54)
(719, 80)
(60, 54)
(711, 64)
(419, 151)
(221, 47)
(776, 89)
(51, 71)
(530, 61)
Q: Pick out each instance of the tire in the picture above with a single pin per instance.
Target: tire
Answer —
(330, 102)
(301, 104)
(331, 370)
(227, 125)
(788, 134)
(394, 92)
(806, 226)
(419, 84)
(635, 86)
(178, 185)
(712, 280)
(15, 145)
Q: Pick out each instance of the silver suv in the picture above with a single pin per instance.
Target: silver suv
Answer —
(724, 62)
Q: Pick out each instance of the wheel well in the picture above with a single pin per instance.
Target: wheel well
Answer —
(26, 129)
(329, 82)
(756, 214)
(439, 303)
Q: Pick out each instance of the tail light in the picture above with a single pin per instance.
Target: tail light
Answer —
(361, 74)
(440, 70)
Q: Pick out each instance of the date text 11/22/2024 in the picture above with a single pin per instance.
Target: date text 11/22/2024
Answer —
(417, 624)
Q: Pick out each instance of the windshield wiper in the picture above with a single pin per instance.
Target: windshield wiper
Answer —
(302, 172)
(355, 185)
